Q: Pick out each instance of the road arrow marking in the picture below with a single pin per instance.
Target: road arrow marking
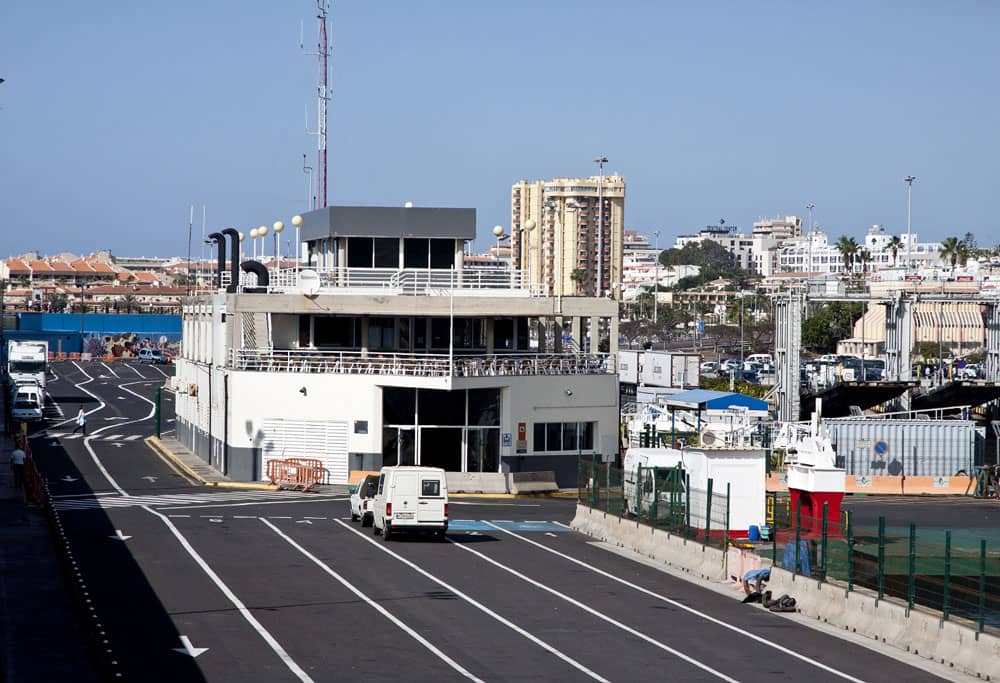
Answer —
(189, 649)
(549, 533)
(304, 521)
(215, 519)
(119, 536)
(111, 419)
(117, 445)
(68, 479)
(151, 480)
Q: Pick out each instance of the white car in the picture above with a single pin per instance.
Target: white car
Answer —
(362, 500)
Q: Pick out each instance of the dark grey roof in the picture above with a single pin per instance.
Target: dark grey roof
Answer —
(388, 221)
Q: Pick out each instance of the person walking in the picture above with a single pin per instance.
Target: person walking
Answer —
(81, 422)
(17, 465)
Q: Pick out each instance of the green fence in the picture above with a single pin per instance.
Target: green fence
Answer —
(951, 571)
(659, 497)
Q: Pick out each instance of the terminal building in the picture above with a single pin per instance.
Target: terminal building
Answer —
(383, 347)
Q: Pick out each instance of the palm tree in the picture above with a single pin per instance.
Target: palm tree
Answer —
(952, 249)
(864, 258)
(579, 277)
(848, 248)
(895, 244)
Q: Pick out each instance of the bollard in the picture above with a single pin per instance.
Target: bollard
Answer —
(946, 597)
(881, 557)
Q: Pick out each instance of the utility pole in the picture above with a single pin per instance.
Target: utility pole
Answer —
(323, 97)
(656, 284)
(909, 236)
(810, 206)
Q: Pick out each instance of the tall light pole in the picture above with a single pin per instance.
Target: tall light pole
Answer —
(810, 206)
(297, 223)
(656, 283)
(909, 237)
(278, 227)
(600, 161)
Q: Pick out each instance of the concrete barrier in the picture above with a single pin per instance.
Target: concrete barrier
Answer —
(919, 631)
(476, 482)
(680, 553)
(532, 482)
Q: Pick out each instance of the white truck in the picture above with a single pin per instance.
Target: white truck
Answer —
(28, 361)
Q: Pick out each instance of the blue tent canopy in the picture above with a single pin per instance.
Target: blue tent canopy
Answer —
(704, 399)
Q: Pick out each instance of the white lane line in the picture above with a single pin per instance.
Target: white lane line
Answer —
(160, 371)
(483, 608)
(178, 515)
(374, 605)
(590, 610)
(86, 441)
(132, 368)
(86, 495)
(236, 505)
(564, 526)
(133, 437)
(690, 610)
(241, 516)
(110, 370)
(240, 607)
(113, 437)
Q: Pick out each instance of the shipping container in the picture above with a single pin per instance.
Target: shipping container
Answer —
(913, 448)
(676, 370)
(628, 366)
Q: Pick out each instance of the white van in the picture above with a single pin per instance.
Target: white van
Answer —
(648, 458)
(764, 359)
(27, 403)
(411, 499)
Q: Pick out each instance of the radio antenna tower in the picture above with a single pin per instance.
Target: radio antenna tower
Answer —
(322, 96)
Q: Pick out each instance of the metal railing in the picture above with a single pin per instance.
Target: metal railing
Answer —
(411, 281)
(420, 365)
(661, 498)
(952, 571)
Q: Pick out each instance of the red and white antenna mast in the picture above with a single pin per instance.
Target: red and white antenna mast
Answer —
(322, 96)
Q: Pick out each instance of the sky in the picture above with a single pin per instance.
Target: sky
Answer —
(116, 117)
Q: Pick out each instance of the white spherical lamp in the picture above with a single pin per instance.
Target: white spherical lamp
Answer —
(278, 226)
(297, 221)
(242, 237)
(262, 231)
(529, 224)
(253, 233)
(498, 230)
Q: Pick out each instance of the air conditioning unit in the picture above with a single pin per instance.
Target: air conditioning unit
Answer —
(710, 439)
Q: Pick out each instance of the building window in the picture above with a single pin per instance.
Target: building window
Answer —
(563, 436)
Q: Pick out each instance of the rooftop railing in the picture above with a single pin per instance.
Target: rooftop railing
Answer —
(414, 281)
(419, 365)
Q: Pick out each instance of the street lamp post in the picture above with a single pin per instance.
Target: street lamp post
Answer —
(297, 223)
(810, 206)
(909, 237)
(656, 282)
(600, 161)
(262, 233)
(254, 232)
(278, 227)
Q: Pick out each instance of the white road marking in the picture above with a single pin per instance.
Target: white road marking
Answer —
(133, 437)
(549, 533)
(686, 608)
(86, 495)
(110, 370)
(160, 371)
(272, 517)
(590, 610)
(266, 502)
(188, 649)
(244, 517)
(564, 526)
(133, 369)
(178, 515)
(374, 605)
(240, 607)
(483, 608)
(112, 437)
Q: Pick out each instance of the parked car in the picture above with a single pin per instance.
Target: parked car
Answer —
(411, 499)
(709, 368)
(363, 499)
(148, 355)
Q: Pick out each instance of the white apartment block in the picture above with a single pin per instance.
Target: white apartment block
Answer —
(814, 253)
(555, 236)
(753, 253)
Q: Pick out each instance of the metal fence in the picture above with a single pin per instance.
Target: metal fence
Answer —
(659, 497)
(951, 571)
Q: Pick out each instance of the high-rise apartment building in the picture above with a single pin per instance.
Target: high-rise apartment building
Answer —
(555, 238)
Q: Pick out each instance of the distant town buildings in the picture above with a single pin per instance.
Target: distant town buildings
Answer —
(556, 239)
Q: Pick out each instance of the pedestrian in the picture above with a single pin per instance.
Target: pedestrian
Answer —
(17, 465)
(81, 422)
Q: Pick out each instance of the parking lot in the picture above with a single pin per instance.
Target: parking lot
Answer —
(196, 584)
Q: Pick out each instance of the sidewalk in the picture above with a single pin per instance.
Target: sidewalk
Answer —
(40, 636)
(181, 458)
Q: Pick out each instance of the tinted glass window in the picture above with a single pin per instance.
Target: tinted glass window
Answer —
(416, 253)
(334, 331)
(442, 407)
(386, 252)
(359, 252)
(442, 254)
(399, 406)
(484, 407)
(430, 487)
(539, 434)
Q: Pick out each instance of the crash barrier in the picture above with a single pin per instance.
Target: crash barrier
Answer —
(532, 482)
(295, 473)
(478, 482)
(887, 485)
(661, 498)
(954, 572)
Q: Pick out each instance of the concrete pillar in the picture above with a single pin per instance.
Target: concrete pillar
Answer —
(613, 336)
(577, 331)
(342, 261)
(364, 336)
(459, 261)
(489, 336)
(595, 334)
(557, 345)
(541, 327)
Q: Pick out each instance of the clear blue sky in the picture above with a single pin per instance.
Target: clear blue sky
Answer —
(116, 116)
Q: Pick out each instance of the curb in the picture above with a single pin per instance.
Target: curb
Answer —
(155, 444)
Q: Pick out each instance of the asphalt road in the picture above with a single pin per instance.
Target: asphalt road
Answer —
(276, 586)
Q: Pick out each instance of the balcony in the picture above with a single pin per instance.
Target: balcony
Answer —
(419, 365)
(481, 281)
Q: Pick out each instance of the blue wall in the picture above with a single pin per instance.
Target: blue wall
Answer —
(151, 325)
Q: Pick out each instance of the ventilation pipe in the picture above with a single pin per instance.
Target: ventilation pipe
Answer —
(263, 278)
(234, 259)
(220, 254)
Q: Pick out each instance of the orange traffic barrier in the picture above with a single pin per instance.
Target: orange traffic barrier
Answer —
(52, 355)
(295, 473)
(356, 477)
(61, 355)
(74, 356)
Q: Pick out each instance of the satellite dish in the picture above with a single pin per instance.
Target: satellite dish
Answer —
(309, 282)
